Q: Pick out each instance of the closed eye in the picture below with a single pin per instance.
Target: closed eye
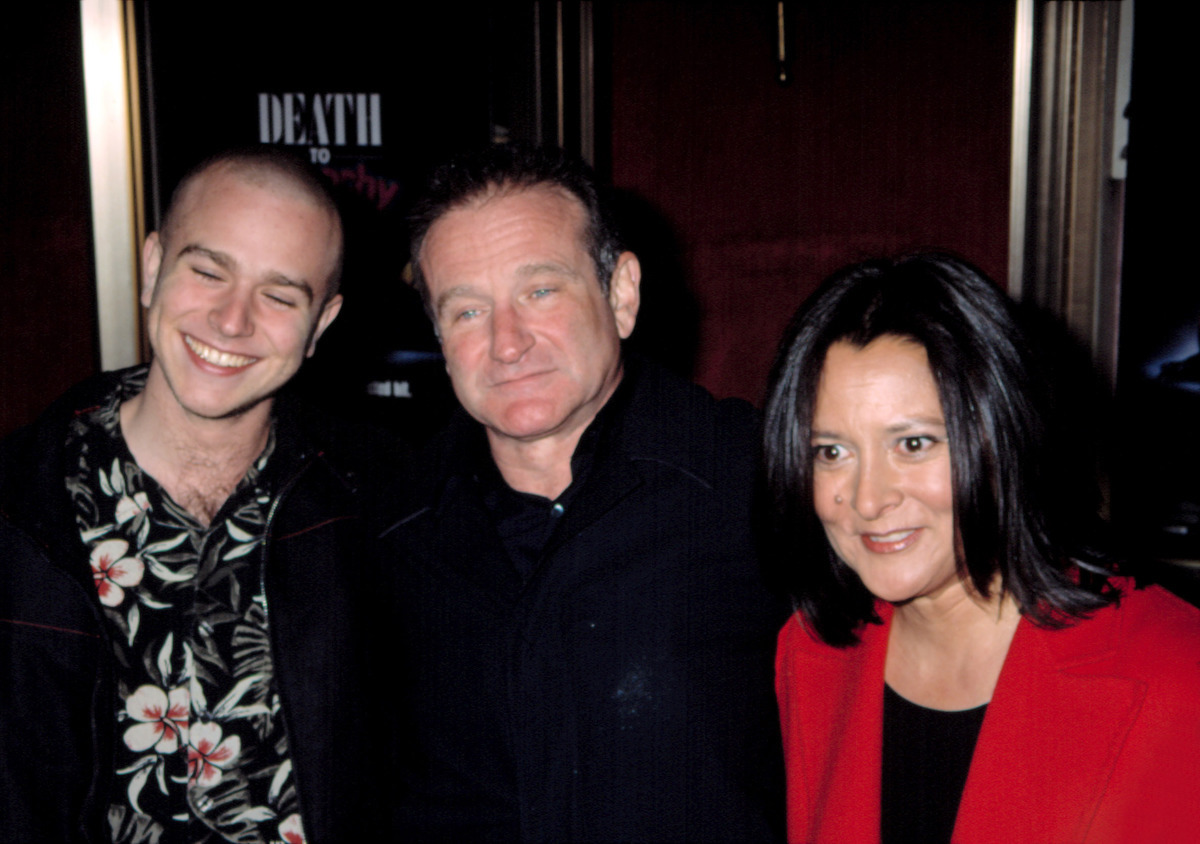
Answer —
(206, 274)
(280, 300)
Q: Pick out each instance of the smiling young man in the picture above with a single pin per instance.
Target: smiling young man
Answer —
(180, 618)
(585, 642)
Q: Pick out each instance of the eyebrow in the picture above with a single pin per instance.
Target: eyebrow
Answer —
(525, 271)
(916, 422)
(221, 259)
(530, 270)
(898, 428)
(227, 262)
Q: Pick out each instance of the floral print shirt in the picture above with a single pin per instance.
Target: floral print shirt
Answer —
(201, 750)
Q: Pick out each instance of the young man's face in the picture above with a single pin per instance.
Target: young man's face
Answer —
(237, 298)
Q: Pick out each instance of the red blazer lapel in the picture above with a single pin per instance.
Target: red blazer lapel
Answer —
(832, 714)
(1050, 739)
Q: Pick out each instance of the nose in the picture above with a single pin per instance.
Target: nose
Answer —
(875, 490)
(231, 315)
(510, 337)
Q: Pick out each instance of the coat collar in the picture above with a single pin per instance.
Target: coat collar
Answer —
(1059, 710)
(33, 471)
(639, 427)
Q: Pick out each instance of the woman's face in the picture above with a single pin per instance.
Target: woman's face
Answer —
(881, 469)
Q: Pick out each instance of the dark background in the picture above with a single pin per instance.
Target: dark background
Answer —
(739, 193)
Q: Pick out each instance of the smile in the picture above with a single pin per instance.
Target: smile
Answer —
(889, 543)
(519, 380)
(216, 357)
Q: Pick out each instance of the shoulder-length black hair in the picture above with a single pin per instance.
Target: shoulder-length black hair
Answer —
(1009, 514)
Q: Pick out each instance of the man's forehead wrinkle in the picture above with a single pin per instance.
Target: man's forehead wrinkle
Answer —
(538, 267)
(496, 193)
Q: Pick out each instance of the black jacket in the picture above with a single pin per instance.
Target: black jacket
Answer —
(625, 691)
(57, 690)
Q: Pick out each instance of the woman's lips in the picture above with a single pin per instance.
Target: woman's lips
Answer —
(889, 543)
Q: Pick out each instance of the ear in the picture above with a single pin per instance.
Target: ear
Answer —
(152, 253)
(625, 292)
(328, 313)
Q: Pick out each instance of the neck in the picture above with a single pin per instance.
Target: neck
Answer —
(947, 652)
(541, 467)
(198, 461)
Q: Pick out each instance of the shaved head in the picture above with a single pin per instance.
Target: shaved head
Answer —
(263, 167)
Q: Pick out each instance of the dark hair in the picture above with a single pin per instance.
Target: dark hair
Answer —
(513, 167)
(1009, 514)
(258, 165)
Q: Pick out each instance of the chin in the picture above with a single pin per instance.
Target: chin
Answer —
(887, 588)
(223, 407)
(528, 422)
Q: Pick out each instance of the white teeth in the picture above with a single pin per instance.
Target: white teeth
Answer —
(894, 536)
(215, 356)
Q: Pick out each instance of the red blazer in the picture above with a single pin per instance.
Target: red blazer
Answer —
(1092, 734)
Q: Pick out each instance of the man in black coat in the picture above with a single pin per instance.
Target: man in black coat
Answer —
(180, 631)
(584, 641)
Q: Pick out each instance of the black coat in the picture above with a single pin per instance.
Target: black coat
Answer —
(625, 691)
(57, 689)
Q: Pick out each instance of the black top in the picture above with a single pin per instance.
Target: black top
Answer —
(525, 521)
(926, 757)
(621, 687)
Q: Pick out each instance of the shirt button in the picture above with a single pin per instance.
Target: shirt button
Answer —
(556, 509)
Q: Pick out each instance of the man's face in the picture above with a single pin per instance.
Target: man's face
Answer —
(236, 298)
(532, 343)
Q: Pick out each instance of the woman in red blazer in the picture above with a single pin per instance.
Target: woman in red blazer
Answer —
(961, 668)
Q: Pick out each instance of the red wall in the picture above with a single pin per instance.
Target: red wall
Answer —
(893, 134)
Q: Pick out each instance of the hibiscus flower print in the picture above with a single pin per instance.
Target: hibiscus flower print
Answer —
(113, 572)
(208, 755)
(162, 719)
(291, 831)
(130, 506)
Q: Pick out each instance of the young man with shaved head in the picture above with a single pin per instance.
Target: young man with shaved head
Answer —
(586, 648)
(179, 597)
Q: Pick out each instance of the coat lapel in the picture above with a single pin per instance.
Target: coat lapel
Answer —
(468, 545)
(611, 481)
(1050, 739)
(837, 694)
